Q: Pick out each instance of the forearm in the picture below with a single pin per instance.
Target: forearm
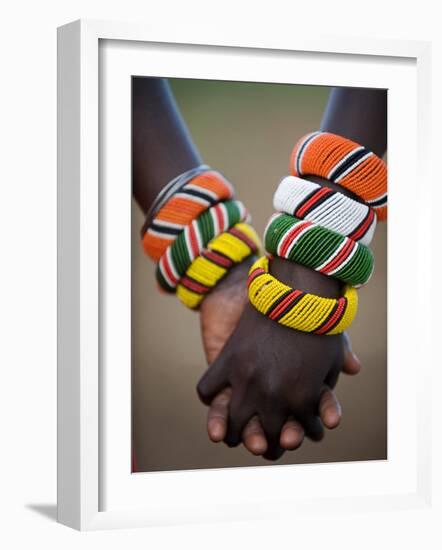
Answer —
(360, 115)
(161, 144)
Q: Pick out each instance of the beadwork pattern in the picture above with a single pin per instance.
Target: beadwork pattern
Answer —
(346, 163)
(196, 196)
(297, 309)
(318, 248)
(194, 238)
(333, 210)
(222, 253)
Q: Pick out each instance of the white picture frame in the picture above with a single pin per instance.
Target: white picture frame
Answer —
(84, 446)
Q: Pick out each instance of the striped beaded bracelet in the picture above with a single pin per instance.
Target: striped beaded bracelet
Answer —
(310, 201)
(169, 190)
(189, 200)
(346, 163)
(321, 249)
(297, 309)
(222, 253)
(194, 238)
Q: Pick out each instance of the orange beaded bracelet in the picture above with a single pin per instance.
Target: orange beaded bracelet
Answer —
(343, 162)
(192, 199)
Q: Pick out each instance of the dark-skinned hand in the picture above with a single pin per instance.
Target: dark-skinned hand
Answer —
(215, 388)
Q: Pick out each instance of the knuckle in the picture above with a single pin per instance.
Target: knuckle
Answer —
(201, 390)
(222, 400)
(247, 373)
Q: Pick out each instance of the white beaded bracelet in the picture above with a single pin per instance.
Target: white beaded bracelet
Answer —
(333, 210)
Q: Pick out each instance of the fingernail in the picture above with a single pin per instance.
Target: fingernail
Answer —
(257, 445)
(216, 431)
(333, 417)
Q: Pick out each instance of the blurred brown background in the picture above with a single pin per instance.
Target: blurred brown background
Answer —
(247, 131)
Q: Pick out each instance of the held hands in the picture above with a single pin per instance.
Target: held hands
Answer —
(267, 385)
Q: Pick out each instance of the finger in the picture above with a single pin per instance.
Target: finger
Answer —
(272, 423)
(273, 453)
(253, 437)
(213, 381)
(352, 364)
(332, 377)
(292, 435)
(313, 426)
(218, 414)
(330, 410)
(239, 415)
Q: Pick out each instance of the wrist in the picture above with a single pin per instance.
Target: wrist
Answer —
(304, 278)
(236, 277)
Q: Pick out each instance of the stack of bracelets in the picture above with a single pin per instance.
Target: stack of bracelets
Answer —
(322, 229)
(196, 232)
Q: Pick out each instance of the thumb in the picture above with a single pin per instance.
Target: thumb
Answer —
(351, 365)
(213, 380)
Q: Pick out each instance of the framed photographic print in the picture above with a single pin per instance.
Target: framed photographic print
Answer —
(225, 263)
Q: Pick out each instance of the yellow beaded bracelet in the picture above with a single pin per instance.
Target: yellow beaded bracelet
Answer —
(297, 309)
(222, 253)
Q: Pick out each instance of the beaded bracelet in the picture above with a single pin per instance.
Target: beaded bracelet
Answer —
(194, 238)
(222, 253)
(344, 162)
(321, 249)
(169, 190)
(297, 309)
(309, 201)
(186, 204)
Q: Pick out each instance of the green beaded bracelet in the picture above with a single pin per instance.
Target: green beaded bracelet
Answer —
(194, 238)
(322, 249)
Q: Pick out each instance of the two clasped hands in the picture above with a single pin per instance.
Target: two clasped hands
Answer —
(268, 386)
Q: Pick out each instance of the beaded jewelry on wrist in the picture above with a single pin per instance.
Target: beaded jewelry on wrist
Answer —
(194, 238)
(195, 232)
(346, 163)
(185, 198)
(222, 253)
(330, 209)
(168, 190)
(321, 249)
(297, 309)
